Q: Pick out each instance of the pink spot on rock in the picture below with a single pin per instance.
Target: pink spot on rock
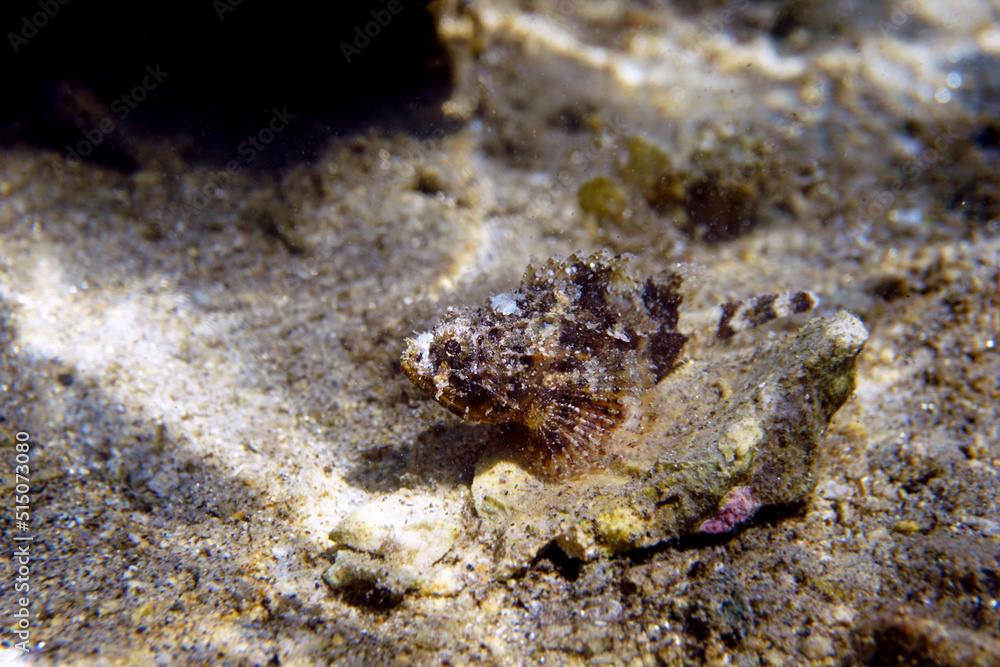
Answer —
(737, 507)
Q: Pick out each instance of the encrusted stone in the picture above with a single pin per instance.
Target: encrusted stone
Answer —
(699, 459)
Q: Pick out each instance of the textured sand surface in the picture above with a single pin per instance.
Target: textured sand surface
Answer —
(210, 385)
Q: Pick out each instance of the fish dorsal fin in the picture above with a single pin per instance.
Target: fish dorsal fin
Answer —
(662, 298)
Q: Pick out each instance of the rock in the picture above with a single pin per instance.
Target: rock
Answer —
(692, 446)
(394, 544)
(817, 647)
(163, 482)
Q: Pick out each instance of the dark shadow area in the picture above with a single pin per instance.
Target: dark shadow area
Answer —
(767, 517)
(553, 558)
(208, 78)
(444, 453)
(372, 598)
(370, 591)
(971, 187)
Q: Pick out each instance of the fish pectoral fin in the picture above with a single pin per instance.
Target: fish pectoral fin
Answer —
(568, 429)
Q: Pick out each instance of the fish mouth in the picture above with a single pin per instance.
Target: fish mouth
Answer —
(417, 368)
(413, 368)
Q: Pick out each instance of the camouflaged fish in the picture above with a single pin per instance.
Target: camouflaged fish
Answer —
(563, 360)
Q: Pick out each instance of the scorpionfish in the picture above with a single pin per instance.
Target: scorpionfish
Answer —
(564, 360)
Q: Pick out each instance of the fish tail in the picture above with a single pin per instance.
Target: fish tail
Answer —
(736, 316)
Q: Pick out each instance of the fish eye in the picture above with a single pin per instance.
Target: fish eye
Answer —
(452, 348)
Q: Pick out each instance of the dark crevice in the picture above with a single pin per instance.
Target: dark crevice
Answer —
(211, 75)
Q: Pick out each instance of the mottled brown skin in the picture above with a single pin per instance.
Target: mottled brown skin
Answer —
(564, 359)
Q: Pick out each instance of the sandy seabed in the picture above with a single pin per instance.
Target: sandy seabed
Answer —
(208, 386)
